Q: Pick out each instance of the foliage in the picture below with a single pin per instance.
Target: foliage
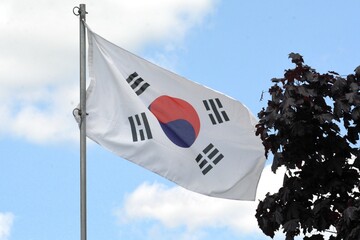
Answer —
(311, 126)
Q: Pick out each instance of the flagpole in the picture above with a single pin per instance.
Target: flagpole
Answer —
(83, 227)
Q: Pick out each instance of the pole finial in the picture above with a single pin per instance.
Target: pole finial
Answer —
(80, 11)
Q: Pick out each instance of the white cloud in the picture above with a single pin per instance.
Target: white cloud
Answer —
(176, 207)
(39, 54)
(6, 221)
(41, 114)
(182, 214)
(157, 20)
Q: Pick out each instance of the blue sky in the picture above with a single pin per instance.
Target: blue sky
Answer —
(235, 47)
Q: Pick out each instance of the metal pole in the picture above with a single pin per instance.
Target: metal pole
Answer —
(82, 13)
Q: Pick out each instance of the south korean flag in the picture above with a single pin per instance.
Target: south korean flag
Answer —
(190, 134)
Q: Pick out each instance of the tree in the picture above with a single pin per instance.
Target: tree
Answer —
(311, 126)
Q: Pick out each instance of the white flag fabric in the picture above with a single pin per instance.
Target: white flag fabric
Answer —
(194, 136)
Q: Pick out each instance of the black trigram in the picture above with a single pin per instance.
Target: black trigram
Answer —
(140, 128)
(216, 113)
(209, 157)
(137, 83)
